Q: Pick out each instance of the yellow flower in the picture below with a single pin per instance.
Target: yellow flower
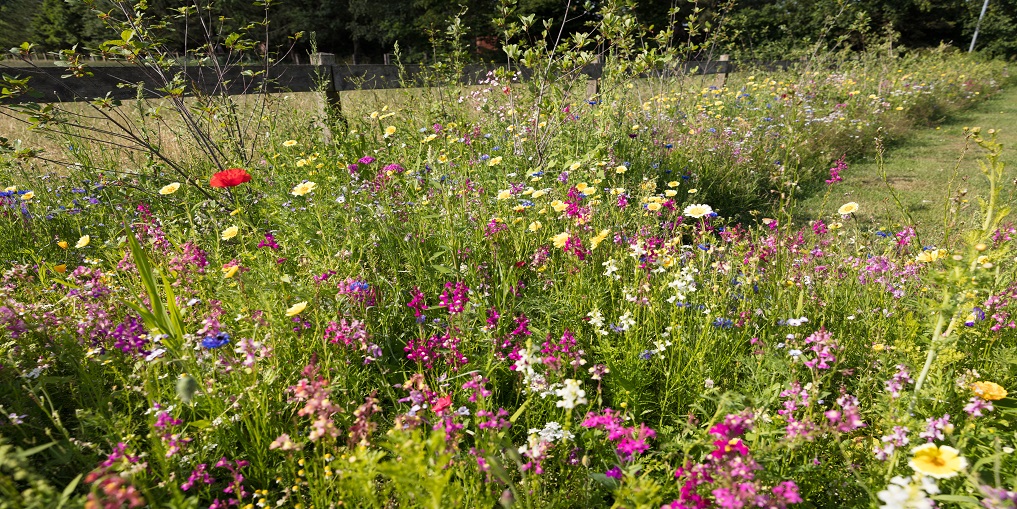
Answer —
(673, 183)
(595, 241)
(169, 188)
(931, 255)
(303, 188)
(11, 188)
(558, 205)
(940, 462)
(83, 241)
(538, 193)
(62, 244)
(670, 192)
(494, 161)
(301, 163)
(560, 239)
(28, 196)
(848, 208)
(230, 232)
(534, 226)
(390, 130)
(693, 191)
(429, 138)
(653, 207)
(582, 187)
(621, 168)
(60, 268)
(296, 309)
(697, 210)
(229, 271)
(989, 391)
(290, 143)
(504, 194)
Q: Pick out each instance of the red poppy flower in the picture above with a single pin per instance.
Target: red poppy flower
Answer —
(442, 404)
(231, 177)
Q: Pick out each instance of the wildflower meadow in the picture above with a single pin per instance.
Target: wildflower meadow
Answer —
(508, 294)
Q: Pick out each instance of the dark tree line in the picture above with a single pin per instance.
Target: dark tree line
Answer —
(364, 30)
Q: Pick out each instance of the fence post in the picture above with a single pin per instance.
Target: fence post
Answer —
(593, 86)
(722, 68)
(330, 109)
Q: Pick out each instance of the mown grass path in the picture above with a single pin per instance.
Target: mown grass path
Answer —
(930, 167)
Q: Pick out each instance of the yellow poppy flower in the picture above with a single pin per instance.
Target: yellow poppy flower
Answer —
(169, 188)
(595, 241)
(230, 232)
(940, 462)
(560, 239)
(296, 309)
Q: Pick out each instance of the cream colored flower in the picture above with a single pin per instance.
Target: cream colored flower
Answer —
(848, 208)
(303, 188)
(230, 232)
(390, 130)
(697, 210)
(290, 143)
(169, 188)
(560, 239)
(296, 309)
(83, 241)
(621, 169)
(534, 226)
(558, 206)
(504, 194)
(28, 196)
(494, 161)
(653, 207)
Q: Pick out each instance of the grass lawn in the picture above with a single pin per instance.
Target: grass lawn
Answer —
(928, 170)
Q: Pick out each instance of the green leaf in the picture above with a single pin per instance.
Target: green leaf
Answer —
(66, 495)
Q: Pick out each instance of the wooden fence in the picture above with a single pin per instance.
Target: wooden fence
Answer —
(122, 81)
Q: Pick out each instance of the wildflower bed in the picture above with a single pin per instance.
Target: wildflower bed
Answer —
(502, 302)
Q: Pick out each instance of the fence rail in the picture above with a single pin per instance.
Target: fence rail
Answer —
(123, 81)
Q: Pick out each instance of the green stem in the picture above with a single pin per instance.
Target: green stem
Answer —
(932, 352)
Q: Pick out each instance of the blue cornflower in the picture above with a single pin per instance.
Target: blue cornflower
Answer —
(646, 355)
(217, 341)
(723, 323)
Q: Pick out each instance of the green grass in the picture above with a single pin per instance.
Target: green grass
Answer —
(927, 170)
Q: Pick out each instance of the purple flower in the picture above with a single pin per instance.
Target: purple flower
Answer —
(977, 405)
